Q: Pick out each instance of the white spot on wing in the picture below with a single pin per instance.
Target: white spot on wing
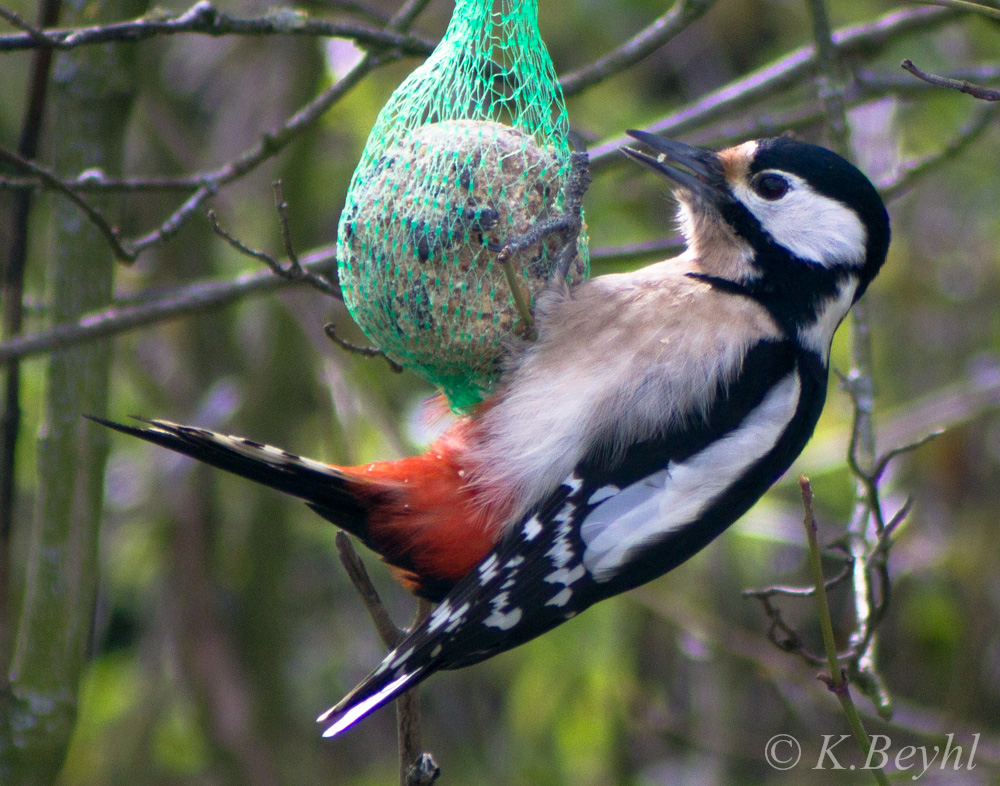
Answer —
(677, 495)
(457, 618)
(532, 528)
(561, 551)
(503, 620)
(488, 570)
(439, 616)
(603, 493)
(565, 576)
(561, 598)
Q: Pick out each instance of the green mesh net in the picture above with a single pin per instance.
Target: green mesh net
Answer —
(469, 154)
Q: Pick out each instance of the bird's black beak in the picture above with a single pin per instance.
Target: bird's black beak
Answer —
(705, 178)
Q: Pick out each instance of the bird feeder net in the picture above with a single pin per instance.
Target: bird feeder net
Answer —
(469, 155)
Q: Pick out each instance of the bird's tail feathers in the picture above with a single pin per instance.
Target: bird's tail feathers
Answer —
(336, 494)
(418, 514)
(390, 680)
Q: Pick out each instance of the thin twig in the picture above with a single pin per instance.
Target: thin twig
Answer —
(882, 464)
(292, 270)
(830, 82)
(204, 18)
(882, 82)
(659, 248)
(884, 542)
(197, 297)
(799, 592)
(964, 5)
(111, 234)
(816, 564)
(867, 39)
(37, 37)
(416, 768)
(962, 86)
(92, 180)
(640, 46)
(837, 681)
(369, 352)
(914, 170)
(387, 630)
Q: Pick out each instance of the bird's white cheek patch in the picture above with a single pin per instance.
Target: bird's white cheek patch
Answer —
(668, 500)
(814, 227)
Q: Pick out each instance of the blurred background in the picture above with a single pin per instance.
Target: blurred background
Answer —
(224, 621)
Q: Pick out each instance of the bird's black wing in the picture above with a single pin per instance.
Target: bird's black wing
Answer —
(617, 521)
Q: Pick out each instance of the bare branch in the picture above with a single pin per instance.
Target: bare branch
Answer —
(976, 91)
(915, 169)
(881, 549)
(206, 19)
(110, 233)
(189, 299)
(293, 270)
(883, 463)
(640, 46)
(36, 36)
(965, 5)
(867, 40)
(273, 143)
(268, 147)
(881, 82)
(369, 352)
(799, 592)
(830, 83)
(387, 630)
(93, 180)
(415, 767)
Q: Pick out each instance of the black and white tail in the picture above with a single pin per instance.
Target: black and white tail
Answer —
(331, 492)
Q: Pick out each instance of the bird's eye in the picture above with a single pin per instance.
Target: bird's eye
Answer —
(770, 186)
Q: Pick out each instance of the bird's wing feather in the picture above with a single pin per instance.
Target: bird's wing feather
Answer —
(575, 548)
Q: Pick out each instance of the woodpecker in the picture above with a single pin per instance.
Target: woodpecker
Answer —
(652, 411)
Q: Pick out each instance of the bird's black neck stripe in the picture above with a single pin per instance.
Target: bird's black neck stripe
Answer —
(723, 284)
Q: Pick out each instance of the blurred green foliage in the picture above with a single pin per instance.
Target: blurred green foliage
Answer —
(673, 684)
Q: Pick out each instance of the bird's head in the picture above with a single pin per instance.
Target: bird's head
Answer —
(788, 217)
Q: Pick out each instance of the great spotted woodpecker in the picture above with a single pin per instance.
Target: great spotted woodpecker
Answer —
(653, 410)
